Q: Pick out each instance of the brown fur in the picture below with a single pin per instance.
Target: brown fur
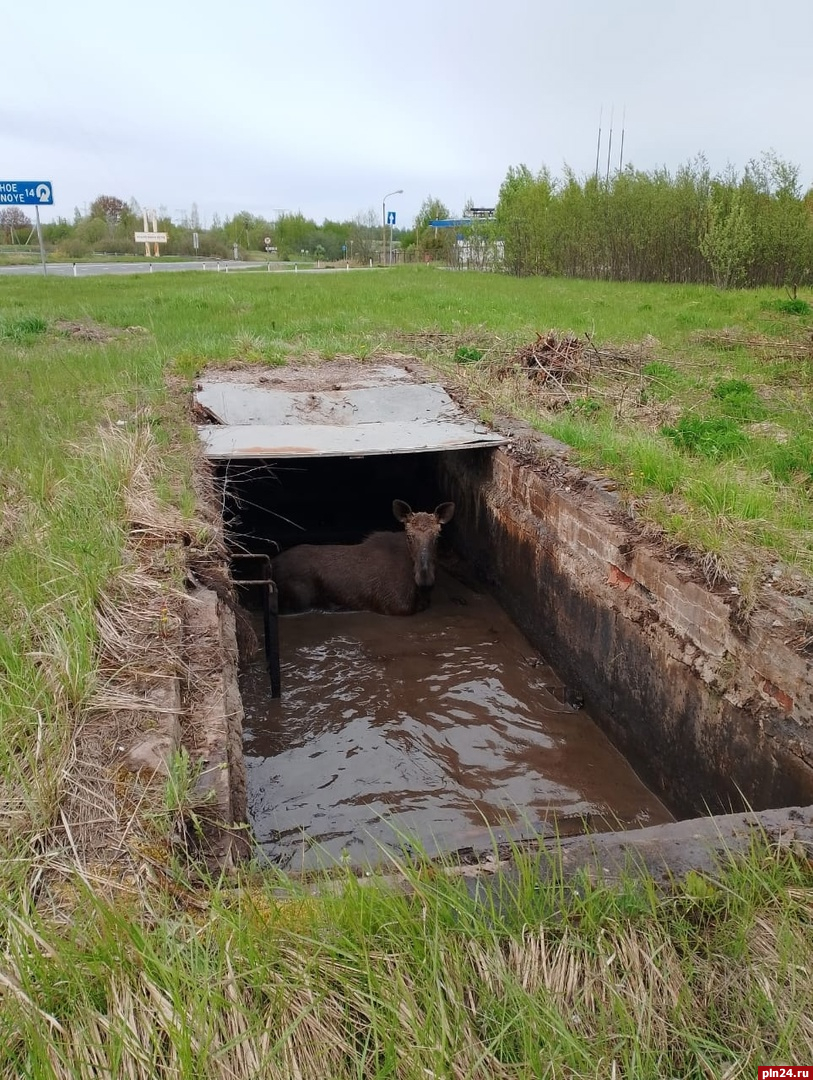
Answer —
(391, 573)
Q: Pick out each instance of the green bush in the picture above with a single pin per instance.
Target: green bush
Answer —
(690, 225)
(117, 244)
(712, 437)
(92, 230)
(73, 248)
(466, 354)
(737, 398)
(788, 307)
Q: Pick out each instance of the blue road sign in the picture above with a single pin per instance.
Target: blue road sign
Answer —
(390, 217)
(26, 193)
(450, 223)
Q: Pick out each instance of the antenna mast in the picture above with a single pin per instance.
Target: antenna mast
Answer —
(610, 144)
(598, 144)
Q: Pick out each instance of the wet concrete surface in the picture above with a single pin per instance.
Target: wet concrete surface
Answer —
(445, 729)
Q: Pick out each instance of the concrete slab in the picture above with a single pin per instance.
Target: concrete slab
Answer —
(391, 416)
(321, 440)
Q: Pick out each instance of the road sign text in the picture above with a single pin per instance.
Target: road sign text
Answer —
(26, 193)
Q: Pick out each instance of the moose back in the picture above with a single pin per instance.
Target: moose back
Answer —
(391, 573)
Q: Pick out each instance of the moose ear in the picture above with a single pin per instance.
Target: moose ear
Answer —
(445, 512)
(401, 510)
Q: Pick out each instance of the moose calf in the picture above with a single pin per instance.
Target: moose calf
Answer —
(391, 573)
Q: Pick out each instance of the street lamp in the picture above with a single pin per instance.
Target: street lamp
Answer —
(400, 191)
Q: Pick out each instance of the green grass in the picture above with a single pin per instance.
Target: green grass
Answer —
(792, 306)
(717, 363)
(713, 437)
(22, 329)
(63, 531)
(524, 976)
(257, 976)
(737, 398)
(352, 310)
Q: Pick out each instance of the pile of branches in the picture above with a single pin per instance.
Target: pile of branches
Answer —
(562, 367)
(554, 359)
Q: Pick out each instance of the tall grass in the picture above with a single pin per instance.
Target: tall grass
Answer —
(63, 532)
(524, 976)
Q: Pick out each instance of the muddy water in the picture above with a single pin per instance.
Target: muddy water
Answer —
(445, 728)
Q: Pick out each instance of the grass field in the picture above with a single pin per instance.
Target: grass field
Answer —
(707, 428)
(698, 403)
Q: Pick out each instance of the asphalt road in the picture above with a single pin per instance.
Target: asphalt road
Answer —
(159, 266)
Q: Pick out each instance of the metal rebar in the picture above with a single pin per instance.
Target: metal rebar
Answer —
(270, 618)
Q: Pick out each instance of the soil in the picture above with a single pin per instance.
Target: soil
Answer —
(88, 330)
(322, 375)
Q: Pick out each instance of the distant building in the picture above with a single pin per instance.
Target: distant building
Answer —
(473, 252)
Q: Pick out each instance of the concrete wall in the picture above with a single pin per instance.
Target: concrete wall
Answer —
(712, 715)
(214, 723)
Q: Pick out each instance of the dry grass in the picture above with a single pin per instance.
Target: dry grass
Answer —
(108, 806)
(558, 371)
(771, 348)
(705, 981)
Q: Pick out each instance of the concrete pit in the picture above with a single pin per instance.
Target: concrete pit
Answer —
(711, 715)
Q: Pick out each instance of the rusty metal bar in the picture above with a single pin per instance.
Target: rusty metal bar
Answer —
(270, 618)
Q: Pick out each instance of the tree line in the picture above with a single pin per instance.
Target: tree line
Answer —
(108, 224)
(727, 229)
(689, 226)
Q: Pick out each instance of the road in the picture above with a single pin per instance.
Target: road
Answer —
(89, 269)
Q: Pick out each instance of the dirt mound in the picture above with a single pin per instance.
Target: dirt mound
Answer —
(87, 330)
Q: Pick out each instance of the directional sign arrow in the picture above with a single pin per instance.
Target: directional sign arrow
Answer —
(26, 193)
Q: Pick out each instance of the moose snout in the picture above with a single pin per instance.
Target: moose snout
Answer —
(424, 572)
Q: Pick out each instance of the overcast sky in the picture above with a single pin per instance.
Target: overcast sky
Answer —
(325, 106)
